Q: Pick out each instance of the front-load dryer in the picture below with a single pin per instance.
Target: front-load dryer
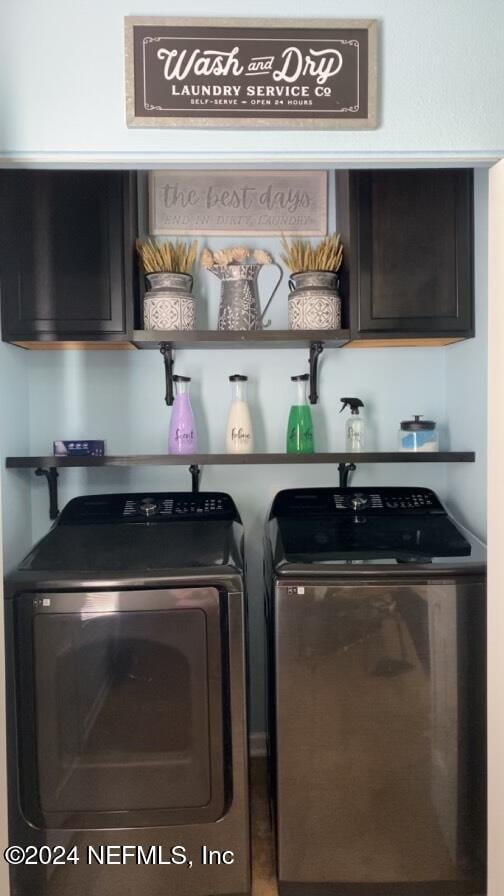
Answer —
(127, 742)
(376, 620)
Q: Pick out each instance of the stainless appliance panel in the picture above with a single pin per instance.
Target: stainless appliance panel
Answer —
(231, 832)
(380, 730)
(126, 694)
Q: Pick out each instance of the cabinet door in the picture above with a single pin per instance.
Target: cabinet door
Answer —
(411, 252)
(65, 250)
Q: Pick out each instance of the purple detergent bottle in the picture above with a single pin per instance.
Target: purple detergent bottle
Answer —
(182, 433)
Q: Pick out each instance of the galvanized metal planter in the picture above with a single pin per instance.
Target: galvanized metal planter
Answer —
(314, 301)
(169, 304)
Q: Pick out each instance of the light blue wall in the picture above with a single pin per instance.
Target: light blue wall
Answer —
(441, 73)
(62, 98)
(119, 396)
(14, 439)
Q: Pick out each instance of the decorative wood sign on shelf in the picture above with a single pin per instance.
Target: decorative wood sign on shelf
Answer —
(284, 73)
(259, 203)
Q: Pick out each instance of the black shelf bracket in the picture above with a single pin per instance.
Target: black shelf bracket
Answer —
(195, 472)
(52, 483)
(166, 349)
(316, 349)
(344, 471)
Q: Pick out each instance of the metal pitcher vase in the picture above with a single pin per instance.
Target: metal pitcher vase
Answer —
(239, 307)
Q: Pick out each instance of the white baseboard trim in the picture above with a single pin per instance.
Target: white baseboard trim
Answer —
(257, 744)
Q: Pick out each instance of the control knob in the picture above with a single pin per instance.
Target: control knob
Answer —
(148, 507)
(358, 501)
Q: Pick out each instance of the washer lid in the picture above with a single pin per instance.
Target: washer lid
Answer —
(367, 525)
(144, 548)
(324, 538)
(141, 533)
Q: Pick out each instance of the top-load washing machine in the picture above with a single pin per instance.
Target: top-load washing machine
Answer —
(127, 741)
(376, 619)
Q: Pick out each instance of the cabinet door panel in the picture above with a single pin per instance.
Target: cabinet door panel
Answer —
(413, 256)
(62, 259)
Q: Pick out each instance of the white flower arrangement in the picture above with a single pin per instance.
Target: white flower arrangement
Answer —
(234, 255)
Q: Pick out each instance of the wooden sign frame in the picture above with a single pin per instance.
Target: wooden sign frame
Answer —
(238, 202)
(254, 73)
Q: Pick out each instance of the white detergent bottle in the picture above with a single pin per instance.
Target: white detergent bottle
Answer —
(239, 438)
(355, 427)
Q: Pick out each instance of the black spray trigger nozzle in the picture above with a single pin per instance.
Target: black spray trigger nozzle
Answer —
(353, 403)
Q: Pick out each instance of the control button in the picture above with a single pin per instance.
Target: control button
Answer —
(358, 500)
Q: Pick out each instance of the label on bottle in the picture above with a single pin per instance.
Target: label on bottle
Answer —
(240, 436)
(300, 434)
(355, 436)
(184, 437)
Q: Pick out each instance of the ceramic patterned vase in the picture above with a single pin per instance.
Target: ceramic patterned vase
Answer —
(239, 307)
(169, 304)
(314, 301)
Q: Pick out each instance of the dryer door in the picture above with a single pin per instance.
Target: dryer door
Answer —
(127, 695)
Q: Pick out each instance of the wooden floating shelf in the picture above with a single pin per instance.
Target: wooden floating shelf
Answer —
(134, 460)
(48, 465)
(205, 339)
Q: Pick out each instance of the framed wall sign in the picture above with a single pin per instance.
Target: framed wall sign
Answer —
(258, 203)
(282, 73)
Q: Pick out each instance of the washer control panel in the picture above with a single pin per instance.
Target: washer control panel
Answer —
(193, 506)
(387, 499)
(384, 501)
(149, 507)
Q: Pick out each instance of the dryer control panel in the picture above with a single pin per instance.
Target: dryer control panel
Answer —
(149, 507)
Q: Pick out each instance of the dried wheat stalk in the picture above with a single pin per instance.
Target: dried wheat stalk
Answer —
(300, 255)
(176, 257)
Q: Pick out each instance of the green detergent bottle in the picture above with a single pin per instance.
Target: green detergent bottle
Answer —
(300, 425)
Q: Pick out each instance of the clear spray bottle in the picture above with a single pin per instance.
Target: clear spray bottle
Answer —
(355, 427)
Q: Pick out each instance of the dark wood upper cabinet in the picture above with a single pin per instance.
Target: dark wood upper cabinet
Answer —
(66, 255)
(67, 269)
(409, 253)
